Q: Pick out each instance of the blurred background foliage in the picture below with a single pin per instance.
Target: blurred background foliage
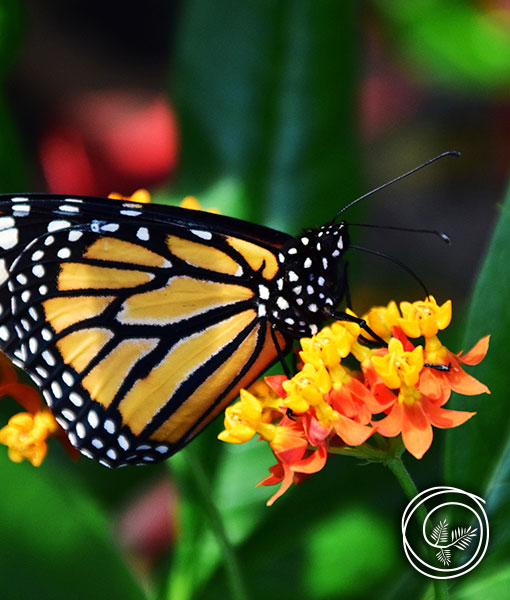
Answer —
(280, 113)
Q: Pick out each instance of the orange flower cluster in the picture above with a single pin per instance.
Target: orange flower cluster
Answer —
(327, 408)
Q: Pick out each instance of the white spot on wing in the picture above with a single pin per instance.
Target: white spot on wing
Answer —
(109, 425)
(76, 399)
(21, 210)
(123, 442)
(8, 238)
(4, 274)
(74, 235)
(68, 414)
(49, 358)
(143, 234)
(205, 235)
(81, 432)
(57, 225)
(33, 345)
(67, 378)
(282, 303)
(112, 227)
(93, 419)
(56, 389)
(264, 292)
(68, 208)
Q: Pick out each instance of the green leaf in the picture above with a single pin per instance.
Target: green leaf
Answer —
(493, 585)
(265, 93)
(453, 43)
(55, 542)
(474, 450)
(477, 455)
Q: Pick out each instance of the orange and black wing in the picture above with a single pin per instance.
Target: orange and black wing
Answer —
(140, 323)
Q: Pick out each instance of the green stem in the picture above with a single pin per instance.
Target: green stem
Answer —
(203, 488)
(397, 467)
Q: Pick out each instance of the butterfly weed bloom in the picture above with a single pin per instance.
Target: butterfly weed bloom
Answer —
(26, 433)
(140, 195)
(331, 408)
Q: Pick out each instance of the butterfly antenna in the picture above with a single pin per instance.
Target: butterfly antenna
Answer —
(443, 236)
(395, 260)
(388, 183)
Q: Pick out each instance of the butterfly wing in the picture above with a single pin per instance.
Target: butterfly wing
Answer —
(140, 323)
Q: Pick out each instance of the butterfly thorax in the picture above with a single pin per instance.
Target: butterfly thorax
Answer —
(309, 279)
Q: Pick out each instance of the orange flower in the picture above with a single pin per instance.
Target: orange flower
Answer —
(417, 407)
(328, 408)
(290, 446)
(455, 378)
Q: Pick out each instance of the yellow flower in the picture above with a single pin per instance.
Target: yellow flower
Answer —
(241, 419)
(307, 388)
(330, 345)
(252, 414)
(141, 195)
(25, 434)
(381, 319)
(191, 203)
(399, 367)
(424, 317)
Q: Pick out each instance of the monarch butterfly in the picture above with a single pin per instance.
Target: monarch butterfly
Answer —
(141, 322)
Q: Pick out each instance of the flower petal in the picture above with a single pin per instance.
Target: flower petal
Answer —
(434, 386)
(391, 425)
(286, 479)
(352, 433)
(462, 383)
(275, 383)
(443, 417)
(477, 352)
(312, 463)
(416, 430)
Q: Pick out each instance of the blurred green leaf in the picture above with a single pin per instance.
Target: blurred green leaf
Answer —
(265, 93)
(454, 43)
(12, 162)
(11, 26)
(477, 455)
(474, 451)
(56, 543)
(493, 585)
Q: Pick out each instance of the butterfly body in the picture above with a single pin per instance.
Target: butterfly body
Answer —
(140, 323)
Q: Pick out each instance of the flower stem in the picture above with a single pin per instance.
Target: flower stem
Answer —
(232, 567)
(397, 467)
(203, 498)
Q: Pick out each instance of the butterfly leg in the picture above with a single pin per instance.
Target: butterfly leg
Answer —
(340, 315)
(279, 351)
(437, 367)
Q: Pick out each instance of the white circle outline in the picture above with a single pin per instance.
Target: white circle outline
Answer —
(427, 495)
